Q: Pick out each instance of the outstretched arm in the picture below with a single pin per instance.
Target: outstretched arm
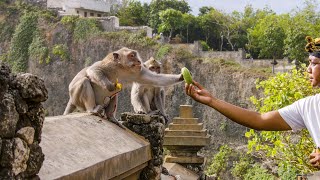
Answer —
(148, 77)
(267, 121)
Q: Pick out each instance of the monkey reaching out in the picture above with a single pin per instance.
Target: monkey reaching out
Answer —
(148, 99)
(94, 89)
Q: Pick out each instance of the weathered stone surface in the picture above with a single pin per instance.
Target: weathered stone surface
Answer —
(36, 116)
(83, 146)
(4, 79)
(20, 110)
(136, 118)
(35, 160)
(31, 87)
(154, 132)
(21, 105)
(180, 172)
(21, 156)
(8, 116)
(7, 153)
(27, 134)
(6, 173)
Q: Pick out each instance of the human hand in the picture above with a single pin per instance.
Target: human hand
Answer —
(198, 93)
(315, 159)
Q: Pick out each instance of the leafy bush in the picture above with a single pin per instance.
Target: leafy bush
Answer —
(205, 46)
(287, 148)
(219, 162)
(61, 50)
(163, 51)
(38, 48)
(85, 28)
(22, 38)
(258, 173)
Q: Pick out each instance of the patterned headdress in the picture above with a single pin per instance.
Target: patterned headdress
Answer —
(313, 46)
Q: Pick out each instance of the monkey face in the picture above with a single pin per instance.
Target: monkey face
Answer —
(155, 69)
(134, 60)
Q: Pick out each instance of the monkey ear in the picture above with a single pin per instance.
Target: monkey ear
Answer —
(115, 56)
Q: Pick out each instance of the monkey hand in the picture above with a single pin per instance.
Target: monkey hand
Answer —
(115, 121)
(181, 78)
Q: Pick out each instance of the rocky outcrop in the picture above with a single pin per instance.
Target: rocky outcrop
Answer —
(21, 119)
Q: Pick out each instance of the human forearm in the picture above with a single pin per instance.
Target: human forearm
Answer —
(267, 121)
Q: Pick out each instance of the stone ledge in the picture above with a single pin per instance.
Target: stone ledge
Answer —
(82, 146)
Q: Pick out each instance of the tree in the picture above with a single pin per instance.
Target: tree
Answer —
(170, 20)
(187, 21)
(268, 37)
(160, 5)
(133, 13)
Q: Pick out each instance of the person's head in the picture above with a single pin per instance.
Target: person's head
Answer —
(313, 47)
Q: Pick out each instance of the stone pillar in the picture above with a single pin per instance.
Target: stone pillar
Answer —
(152, 128)
(183, 138)
(21, 119)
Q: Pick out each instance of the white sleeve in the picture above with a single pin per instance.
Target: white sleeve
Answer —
(292, 114)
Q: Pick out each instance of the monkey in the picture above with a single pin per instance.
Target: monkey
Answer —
(94, 88)
(148, 99)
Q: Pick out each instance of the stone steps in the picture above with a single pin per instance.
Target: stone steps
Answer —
(178, 120)
(169, 132)
(195, 127)
(186, 141)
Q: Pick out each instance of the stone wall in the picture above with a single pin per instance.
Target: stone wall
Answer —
(152, 128)
(21, 119)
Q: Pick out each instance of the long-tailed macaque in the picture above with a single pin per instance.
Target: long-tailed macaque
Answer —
(148, 99)
(94, 90)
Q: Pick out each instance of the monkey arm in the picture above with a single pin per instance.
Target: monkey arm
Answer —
(159, 99)
(138, 100)
(96, 75)
(148, 77)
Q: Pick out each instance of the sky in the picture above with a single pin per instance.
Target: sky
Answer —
(279, 6)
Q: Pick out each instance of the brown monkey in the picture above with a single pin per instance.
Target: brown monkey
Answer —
(148, 99)
(94, 89)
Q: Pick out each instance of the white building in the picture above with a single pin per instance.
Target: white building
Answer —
(83, 8)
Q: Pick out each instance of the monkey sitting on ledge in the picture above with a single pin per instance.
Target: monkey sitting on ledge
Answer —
(94, 89)
(148, 99)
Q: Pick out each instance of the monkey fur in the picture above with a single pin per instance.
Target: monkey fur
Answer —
(148, 99)
(94, 90)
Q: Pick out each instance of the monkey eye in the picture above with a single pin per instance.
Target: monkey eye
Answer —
(132, 55)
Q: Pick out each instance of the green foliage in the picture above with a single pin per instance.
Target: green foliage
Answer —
(69, 20)
(160, 5)
(22, 38)
(163, 51)
(85, 28)
(219, 162)
(61, 50)
(287, 148)
(205, 46)
(258, 173)
(241, 167)
(38, 48)
(268, 36)
(170, 20)
(133, 14)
